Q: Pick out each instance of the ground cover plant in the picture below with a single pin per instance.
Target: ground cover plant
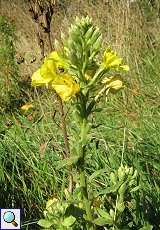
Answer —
(125, 133)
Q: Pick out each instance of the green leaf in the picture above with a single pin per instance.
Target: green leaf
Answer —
(89, 33)
(147, 227)
(45, 223)
(98, 110)
(95, 174)
(69, 221)
(101, 221)
(135, 189)
(112, 189)
(123, 188)
(97, 44)
(113, 178)
(104, 214)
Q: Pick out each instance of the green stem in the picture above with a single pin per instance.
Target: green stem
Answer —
(85, 194)
(86, 202)
(83, 180)
(95, 100)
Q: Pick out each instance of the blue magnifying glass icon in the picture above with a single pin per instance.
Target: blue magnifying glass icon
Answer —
(9, 217)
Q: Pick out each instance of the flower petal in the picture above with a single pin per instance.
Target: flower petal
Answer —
(38, 80)
(111, 60)
(65, 86)
(114, 82)
(58, 60)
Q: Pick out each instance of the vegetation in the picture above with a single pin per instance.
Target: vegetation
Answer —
(126, 136)
(9, 71)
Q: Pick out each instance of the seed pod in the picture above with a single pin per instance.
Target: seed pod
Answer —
(89, 33)
(95, 35)
(97, 44)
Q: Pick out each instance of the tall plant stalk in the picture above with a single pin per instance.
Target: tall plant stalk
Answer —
(84, 131)
(87, 80)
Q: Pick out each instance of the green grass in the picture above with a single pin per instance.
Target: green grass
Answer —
(128, 131)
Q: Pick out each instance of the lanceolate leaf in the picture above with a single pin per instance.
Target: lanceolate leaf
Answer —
(45, 223)
(102, 221)
(69, 221)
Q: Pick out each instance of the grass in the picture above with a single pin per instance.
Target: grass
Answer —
(9, 72)
(31, 143)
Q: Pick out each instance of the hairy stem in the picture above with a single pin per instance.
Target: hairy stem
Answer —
(83, 179)
(86, 201)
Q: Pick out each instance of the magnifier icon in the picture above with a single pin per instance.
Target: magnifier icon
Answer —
(9, 217)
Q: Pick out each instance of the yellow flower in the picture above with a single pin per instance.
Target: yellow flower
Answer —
(65, 86)
(53, 64)
(114, 83)
(111, 60)
(27, 106)
(53, 72)
(58, 60)
(38, 80)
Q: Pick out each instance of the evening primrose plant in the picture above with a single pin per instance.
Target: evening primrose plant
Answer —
(83, 77)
